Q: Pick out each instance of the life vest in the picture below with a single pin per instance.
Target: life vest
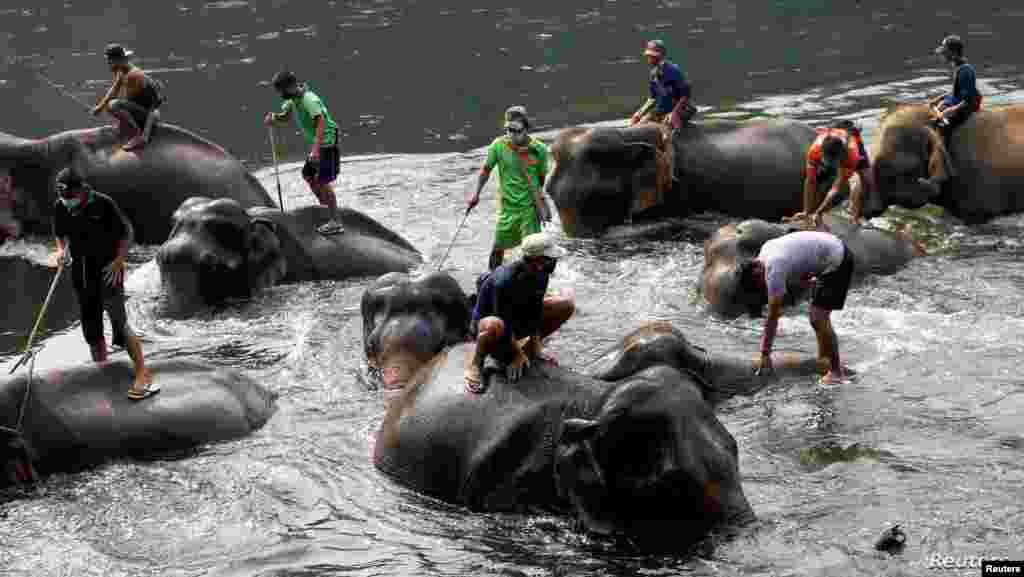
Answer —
(853, 157)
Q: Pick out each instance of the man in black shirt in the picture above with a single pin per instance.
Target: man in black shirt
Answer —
(99, 235)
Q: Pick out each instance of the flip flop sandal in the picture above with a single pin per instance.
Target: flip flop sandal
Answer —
(149, 391)
(328, 229)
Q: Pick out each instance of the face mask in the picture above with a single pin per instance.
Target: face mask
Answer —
(71, 203)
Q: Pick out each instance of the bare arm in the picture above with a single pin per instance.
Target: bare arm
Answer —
(114, 88)
(771, 325)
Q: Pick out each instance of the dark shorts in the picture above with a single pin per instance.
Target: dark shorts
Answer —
(327, 170)
(138, 113)
(831, 288)
(864, 162)
(95, 296)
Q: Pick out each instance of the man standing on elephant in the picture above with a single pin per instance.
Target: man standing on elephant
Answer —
(835, 155)
(802, 256)
(669, 100)
(522, 163)
(99, 235)
(513, 315)
(321, 132)
(957, 106)
(134, 98)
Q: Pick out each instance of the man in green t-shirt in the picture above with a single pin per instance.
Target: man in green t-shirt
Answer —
(321, 132)
(522, 163)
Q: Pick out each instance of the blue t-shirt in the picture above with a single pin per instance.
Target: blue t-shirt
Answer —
(667, 86)
(965, 87)
(516, 296)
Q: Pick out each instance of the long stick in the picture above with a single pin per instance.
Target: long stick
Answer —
(454, 236)
(277, 172)
(39, 319)
(60, 89)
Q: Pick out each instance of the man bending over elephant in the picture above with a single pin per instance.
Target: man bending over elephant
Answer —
(513, 316)
(957, 106)
(802, 255)
(134, 99)
(100, 236)
(834, 156)
(669, 101)
(522, 163)
(324, 162)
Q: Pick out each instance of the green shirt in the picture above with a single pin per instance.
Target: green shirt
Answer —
(306, 107)
(513, 191)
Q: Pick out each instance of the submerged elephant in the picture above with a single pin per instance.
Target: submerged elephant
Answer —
(606, 176)
(980, 175)
(79, 416)
(633, 450)
(874, 251)
(217, 249)
(147, 184)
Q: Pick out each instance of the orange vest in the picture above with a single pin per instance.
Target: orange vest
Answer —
(849, 164)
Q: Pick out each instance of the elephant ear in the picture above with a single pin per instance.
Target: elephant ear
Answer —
(578, 430)
(940, 167)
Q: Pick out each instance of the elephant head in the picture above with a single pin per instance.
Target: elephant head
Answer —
(406, 322)
(654, 463)
(909, 149)
(26, 186)
(216, 251)
(723, 254)
(602, 176)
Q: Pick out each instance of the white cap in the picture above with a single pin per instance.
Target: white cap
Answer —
(540, 244)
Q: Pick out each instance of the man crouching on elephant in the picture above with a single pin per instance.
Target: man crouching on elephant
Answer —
(804, 255)
(836, 154)
(522, 163)
(512, 316)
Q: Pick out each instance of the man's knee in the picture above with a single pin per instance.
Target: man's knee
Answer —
(491, 328)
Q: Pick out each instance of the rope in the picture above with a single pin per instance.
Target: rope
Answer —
(454, 236)
(16, 431)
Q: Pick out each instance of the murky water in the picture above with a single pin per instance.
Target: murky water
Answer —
(928, 436)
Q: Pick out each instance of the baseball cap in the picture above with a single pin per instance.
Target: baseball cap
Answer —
(540, 244)
(655, 48)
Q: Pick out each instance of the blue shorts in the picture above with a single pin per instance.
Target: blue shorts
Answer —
(326, 171)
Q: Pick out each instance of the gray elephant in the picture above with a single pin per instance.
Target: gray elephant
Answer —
(79, 417)
(217, 249)
(148, 184)
(978, 176)
(874, 251)
(607, 176)
(633, 449)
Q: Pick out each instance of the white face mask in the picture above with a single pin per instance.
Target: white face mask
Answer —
(71, 203)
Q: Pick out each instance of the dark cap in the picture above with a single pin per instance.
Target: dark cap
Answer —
(284, 79)
(68, 180)
(655, 48)
(951, 43)
(116, 53)
(517, 114)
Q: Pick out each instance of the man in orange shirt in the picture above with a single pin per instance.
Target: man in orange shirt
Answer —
(836, 154)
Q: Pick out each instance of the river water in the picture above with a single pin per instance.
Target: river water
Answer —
(927, 436)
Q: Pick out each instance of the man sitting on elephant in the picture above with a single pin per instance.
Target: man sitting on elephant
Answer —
(804, 255)
(957, 106)
(133, 99)
(522, 163)
(669, 100)
(836, 154)
(512, 307)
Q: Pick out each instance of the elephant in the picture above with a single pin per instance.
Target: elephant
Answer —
(147, 184)
(978, 177)
(76, 417)
(874, 251)
(217, 249)
(632, 450)
(607, 176)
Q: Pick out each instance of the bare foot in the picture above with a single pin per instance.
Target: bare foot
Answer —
(134, 144)
(474, 378)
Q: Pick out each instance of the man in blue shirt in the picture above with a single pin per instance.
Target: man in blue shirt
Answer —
(957, 106)
(669, 100)
(513, 316)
